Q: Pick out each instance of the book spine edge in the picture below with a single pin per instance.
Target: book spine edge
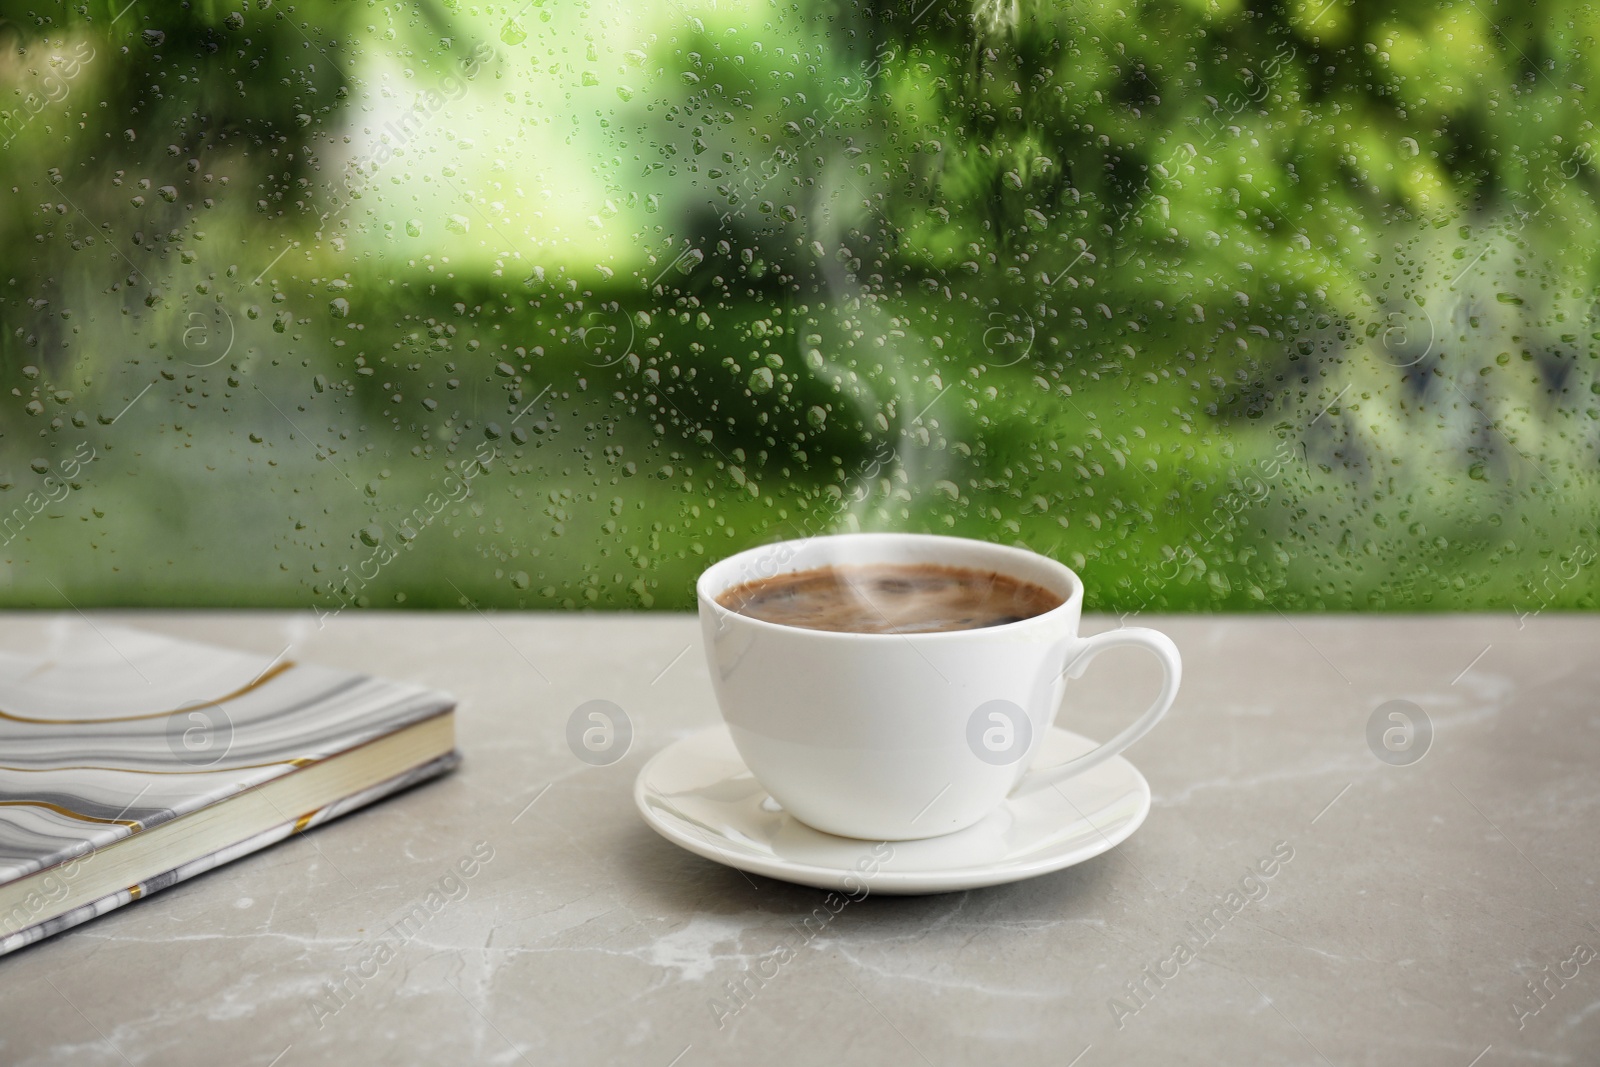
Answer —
(255, 843)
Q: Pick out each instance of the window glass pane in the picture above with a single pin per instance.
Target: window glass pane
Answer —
(549, 304)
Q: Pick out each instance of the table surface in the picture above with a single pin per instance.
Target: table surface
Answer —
(1441, 911)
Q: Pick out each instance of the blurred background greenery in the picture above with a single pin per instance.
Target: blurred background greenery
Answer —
(550, 303)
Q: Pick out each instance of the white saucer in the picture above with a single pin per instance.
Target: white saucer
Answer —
(697, 793)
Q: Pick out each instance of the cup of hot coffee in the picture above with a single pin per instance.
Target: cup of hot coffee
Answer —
(897, 686)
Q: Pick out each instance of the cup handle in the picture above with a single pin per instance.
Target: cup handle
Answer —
(1172, 667)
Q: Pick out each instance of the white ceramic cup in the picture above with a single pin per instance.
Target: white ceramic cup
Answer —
(893, 737)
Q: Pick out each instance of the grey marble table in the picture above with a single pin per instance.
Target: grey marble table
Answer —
(1439, 910)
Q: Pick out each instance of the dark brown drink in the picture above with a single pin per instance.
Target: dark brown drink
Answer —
(890, 598)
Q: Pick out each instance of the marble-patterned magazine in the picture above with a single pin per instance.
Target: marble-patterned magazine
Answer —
(130, 761)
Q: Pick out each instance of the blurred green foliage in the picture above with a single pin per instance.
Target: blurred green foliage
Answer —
(536, 305)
